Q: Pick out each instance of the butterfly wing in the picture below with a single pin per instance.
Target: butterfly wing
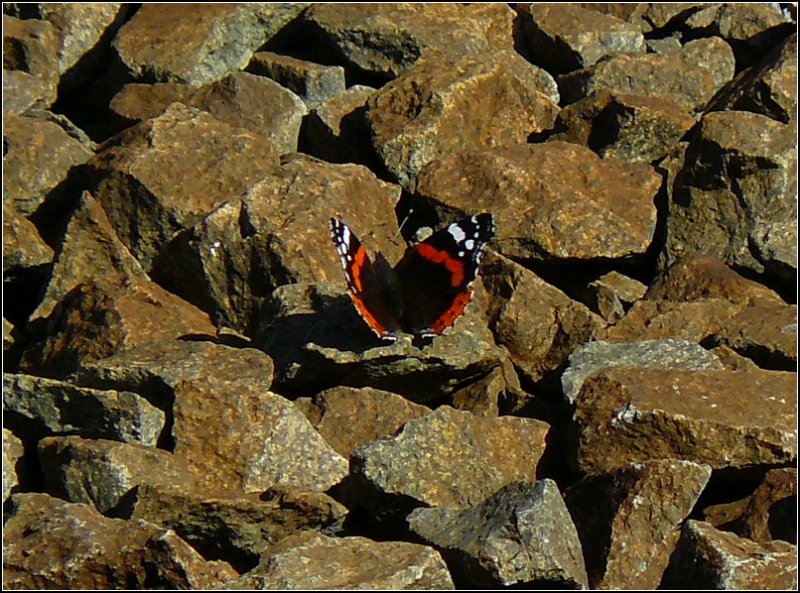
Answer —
(436, 275)
(364, 282)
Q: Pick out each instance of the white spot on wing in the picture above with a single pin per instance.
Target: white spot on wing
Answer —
(456, 232)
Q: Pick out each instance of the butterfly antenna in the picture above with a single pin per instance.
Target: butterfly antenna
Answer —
(403, 223)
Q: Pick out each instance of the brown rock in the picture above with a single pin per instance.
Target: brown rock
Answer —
(240, 100)
(613, 294)
(448, 458)
(311, 560)
(767, 334)
(446, 105)
(48, 406)
(556, 44)
(235, 528)
(100, 472)
(198, 44)
(52, 544)
(719, 418)
(498, 392)
(551, 201)
(12, 454)
(30, 64)
(521, 536)
(229, 261)
(739, 170)
(688, 78)
(536, 322)
(22, 246)
(210, 163)
(732, 360)
(625, 518)
(314, 83)
(771, 512)
(711, 559)
(767, 88)
(386, 39)
(348, 417)
(37, 159)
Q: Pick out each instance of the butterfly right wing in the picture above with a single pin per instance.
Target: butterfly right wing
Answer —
(363, 283)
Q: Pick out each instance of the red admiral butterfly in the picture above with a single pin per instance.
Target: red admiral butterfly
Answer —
(428, 289)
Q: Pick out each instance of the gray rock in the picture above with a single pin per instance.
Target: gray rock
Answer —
(314, 83)
(520, 536)
(12, 453)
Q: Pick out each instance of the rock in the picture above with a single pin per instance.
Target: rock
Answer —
(773, 244)
(38, 158)
(23, 248)
(12, 455)
(311, 560)
(385, 40)
(100, 472)
(767, 88)
(498, 392)
(520, 536)
(30, 65)
(314, 83)
(553, 201)
(234, 528)
(446, 458)
(733, 361)
(557, 45)
(181, 44)
(651, 354)
(613, 294)
(318, 340)
(47, 406)
(726, 187)
(53, 544)
(337, 131)
(229, 261)
(240, 100)
(713, 559)
(725, 419)
(210, 163)
(446, 105)
(643, 503)
(688, 78)
(536, 322)
(348, 417)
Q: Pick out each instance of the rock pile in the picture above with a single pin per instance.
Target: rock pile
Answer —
(191, 400)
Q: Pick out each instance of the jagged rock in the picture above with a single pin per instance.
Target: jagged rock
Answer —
(52, 544)
(498, 392)
(311, 560)
(47, 406)
(446, 458)
(30, 65)
(521, 536)
(37, 159)
(446, 105)
(210, 163)
(348, 417)
(385, 40)
(613, 294)
(240, 100)
(725, 419)
(12, 454)
(234, 528)
(625, 518)
(711, 559)
(23, 248)
(556, 44)
(659, 354)
(553, 201)
(314, 83)
(198, 44)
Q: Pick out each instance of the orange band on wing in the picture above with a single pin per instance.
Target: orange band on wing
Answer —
(358, 265)
(455, 267)
(449, 317)
(369, 317)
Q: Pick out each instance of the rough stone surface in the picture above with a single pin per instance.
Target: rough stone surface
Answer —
(52, 544)
(446, 458)
(198, 44)
(520, 536)
(613, 294)
(445, 105)
(719, 418)
(50, 406)
(22, 246)
(314, 83)
(12, 454)
(643, 503)
(30, 64)
(713, 559)
(664, 354)
(315, 561)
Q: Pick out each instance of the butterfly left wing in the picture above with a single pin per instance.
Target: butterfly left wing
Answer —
(436, 275)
